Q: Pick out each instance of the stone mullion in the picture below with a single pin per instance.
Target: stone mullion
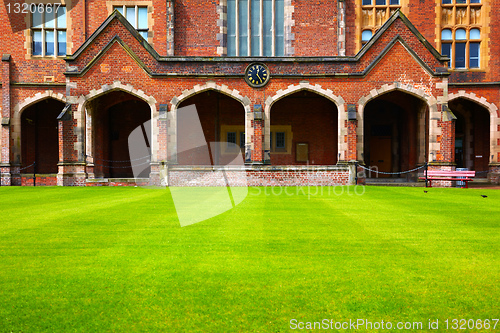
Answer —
(170, 28)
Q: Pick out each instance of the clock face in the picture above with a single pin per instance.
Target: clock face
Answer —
(257, 75)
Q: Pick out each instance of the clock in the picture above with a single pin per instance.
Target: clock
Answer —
(257, 75)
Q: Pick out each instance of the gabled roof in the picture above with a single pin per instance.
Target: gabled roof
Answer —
(115, 15)
(166, 65)
(399, 15)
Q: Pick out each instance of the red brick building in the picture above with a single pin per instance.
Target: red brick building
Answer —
(392, 84)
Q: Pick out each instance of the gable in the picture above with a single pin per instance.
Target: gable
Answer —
(115, 30)
(399, 30)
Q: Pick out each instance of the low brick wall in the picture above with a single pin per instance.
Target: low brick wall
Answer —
(258, 176)
(117, 182)
(39, 180)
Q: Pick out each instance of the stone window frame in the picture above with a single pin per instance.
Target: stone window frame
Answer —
(28, 32)
(149, 4)
(288, 22)
(224, 130)
(482, 25)
(287, 129)
(373, 26)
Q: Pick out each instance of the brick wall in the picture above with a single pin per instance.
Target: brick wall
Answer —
(156, 82)
(260, 176)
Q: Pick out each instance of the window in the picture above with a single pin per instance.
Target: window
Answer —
(230, 139)
(48, 29)
(374, 13)
(137, 16)
(255, 28)
(242, 139)
(366, 36)
(232, 135)
(461, 32)
(280, 140)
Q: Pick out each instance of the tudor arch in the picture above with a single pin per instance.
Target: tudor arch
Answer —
(395, 133)
(222, 120)
(303, 130)
(472, 135)
(39, 143)
(111, 118)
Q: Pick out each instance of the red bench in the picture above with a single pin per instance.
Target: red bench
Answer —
(454, 176)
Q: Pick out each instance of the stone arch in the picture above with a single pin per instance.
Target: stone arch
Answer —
(494, 119)
(84, 118)
(431, 101)
(18, 110)
(223, 89)
(317, 89)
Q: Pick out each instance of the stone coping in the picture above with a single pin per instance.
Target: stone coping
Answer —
(289, 168)
(117, 180)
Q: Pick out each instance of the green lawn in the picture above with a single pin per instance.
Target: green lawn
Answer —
(116, 259)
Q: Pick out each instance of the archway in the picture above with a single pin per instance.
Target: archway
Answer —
(303, 130)
(114, 115)
(472, 135)
(395, 133)
(222, 120)
(40, 138)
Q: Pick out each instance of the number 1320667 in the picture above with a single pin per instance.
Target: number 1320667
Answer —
(25, 8)
(471, 324)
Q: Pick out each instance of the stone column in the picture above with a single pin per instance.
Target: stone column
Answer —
(71, 155)
(159, 168)
(5, 167)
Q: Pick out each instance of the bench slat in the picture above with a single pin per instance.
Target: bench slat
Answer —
(450, 173)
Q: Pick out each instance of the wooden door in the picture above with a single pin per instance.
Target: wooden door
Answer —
(380, 153)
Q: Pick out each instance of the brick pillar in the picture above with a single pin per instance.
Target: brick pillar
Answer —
(258, 134)
(170, 28)
(352, 140)
(445, 154)
(5, 170)
(71, 162)
(494, 173)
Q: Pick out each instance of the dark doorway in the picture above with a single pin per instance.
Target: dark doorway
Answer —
(115, 115)
(472, 135)
(395, 131)
(40, 137)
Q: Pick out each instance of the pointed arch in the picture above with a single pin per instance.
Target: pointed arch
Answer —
(18, 110)
(84, 118)
(494, 119)
(210, 85)
(317, 89)
(431, 101)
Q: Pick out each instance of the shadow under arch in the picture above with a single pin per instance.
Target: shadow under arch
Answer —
(314, 89)
(197, 93)
(482, 104)
(394, 132)
(111, 114)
